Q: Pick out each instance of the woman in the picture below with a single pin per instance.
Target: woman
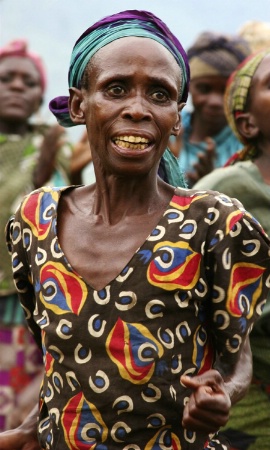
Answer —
(246, 178)
(207, 141)
(30, 156)
(127, 293)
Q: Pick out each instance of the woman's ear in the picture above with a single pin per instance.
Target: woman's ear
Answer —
(177, 127)
(75, 106)
(246, 125)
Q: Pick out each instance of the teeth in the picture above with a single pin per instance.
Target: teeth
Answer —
(133, 139)
(125, 144)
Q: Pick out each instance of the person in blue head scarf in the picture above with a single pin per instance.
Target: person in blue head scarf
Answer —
(140, 294)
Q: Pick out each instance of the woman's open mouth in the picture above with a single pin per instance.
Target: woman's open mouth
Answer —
(131, 142)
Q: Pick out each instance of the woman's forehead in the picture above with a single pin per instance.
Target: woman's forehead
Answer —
(126, 49)
(18, 63)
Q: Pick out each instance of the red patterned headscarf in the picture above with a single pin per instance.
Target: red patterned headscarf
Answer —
(19, 48)
(235, 101)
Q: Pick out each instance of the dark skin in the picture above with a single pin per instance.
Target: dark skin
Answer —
(127, 189)
(208, 119)
(20, 98)
(254, 123)
(136, 97)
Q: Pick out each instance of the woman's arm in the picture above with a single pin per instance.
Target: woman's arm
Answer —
(215, 391)
(24, 437)
(46, 162)
(238, 378)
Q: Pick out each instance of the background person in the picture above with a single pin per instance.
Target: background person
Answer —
(256, 33)
(30, 155)
(206, 140)
(247, 178)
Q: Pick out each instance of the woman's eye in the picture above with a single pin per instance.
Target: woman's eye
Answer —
(5, 78)
(31, 83)
(116, 91)
(160, 96)
(203, 89)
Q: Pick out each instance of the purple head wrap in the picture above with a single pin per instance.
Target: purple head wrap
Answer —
(108, 29)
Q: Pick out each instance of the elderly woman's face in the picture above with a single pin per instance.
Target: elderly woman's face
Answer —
(20, 89)
(130, 104)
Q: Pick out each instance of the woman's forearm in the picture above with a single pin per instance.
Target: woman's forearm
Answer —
(238, 378)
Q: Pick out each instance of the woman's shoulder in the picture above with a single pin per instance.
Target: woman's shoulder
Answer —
(40, 201)
(215, 212)
(201, 201)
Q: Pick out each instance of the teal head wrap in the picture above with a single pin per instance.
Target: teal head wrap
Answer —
(124, 24)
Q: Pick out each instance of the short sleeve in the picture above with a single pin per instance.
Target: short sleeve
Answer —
(240, 272)
(21, 271)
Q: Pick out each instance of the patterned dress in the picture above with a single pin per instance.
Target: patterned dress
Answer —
(114, 357)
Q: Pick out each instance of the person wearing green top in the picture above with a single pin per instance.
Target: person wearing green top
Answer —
(247, 178)
(30, 155)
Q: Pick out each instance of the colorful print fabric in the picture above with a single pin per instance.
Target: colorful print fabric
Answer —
(113, 358)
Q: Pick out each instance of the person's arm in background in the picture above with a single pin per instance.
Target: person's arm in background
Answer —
(205, 164)
(81, 156)
(175, 144)
(46, 161)
(24, 437)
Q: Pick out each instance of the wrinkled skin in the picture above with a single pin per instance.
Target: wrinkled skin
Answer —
(24, 437)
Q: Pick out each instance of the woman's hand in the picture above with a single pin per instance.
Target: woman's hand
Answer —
(205, 164)
(81, 155)
(24, 437)
(209, 404)
(52, 142)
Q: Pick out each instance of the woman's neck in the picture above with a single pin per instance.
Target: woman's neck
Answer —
(263, 160)
(14, 128)
(116, 200)
(201, 129)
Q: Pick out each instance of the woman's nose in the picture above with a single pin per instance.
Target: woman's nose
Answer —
(216, 99)
(17, 82)
(137, 109)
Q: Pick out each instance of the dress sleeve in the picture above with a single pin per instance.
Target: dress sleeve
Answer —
(22, 272)
(239, 269)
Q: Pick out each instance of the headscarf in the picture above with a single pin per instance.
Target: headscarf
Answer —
(257, 34)
(19, 48)
(124, 24)
(107, 30)
(235, 101)
(216, 54)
